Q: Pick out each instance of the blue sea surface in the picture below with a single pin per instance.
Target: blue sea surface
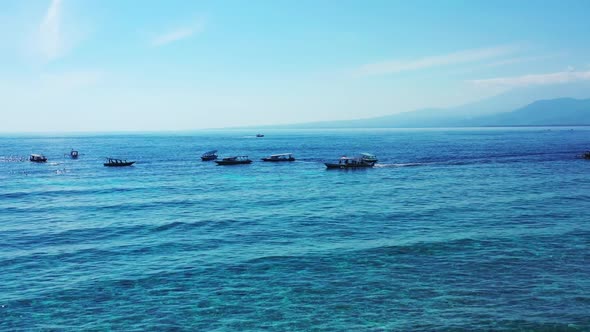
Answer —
(453, 230)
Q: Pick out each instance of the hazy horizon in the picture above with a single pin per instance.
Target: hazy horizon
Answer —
(108, 66)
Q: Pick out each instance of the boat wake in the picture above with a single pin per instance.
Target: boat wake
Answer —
(61, 171)
(493, 159)
(12, 159)
(400, 165)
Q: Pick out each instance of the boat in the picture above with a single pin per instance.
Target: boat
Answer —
(347, 162)
(586, 155)
(112, 162)
(259, 135)
(74, 154)
(369, 158)
(209, 155)
(236, 160)
(37, 158)
(280, 157)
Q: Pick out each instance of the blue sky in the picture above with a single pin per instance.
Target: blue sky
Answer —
(102, 65)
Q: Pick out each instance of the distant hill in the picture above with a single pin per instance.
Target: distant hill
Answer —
(553, 112)
(527, 106)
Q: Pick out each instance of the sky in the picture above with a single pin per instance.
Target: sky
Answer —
(110, 65)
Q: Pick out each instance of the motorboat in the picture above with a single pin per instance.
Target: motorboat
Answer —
(37, 158)
(259, 135)
(236, 160)
(280, 157)
(369, 158)
(347, 162)
(112, 162)
(209, 155)
(74, 154)
(586, 155)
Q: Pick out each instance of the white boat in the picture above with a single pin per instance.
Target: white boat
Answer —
(236, 160)
(345, 162)
(37, 158)
(280, 157)
(368, 157)
(113, 162)
(210, 155)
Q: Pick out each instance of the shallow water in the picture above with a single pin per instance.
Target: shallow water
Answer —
(454, 229)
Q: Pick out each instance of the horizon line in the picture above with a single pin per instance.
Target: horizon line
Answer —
(140, 132)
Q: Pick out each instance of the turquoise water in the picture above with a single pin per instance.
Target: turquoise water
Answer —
(461, 229)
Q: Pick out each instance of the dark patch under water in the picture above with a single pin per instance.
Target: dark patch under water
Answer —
(460, 230)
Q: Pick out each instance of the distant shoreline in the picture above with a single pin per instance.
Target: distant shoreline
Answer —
(254, 130)
(437, 127)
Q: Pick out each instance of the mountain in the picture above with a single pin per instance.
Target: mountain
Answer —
(554, 112)
(529, 106)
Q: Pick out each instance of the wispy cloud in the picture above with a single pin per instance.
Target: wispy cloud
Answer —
(177, 34)
(535, 79)
(511, 61)
(50, 38)
(465, 56)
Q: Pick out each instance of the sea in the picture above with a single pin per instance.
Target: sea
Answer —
(466, 229)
